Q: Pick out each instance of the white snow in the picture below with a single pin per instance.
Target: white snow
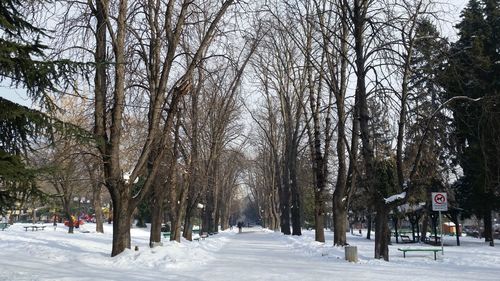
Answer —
(395, 197)
(256, 254)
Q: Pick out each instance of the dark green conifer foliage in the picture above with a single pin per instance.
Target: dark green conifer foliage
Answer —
(428, 124)
(474, 71)
(23, 64)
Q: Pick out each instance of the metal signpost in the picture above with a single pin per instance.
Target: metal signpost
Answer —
(440, 203)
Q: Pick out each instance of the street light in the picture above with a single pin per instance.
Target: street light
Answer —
(83, 205)
(201, 207)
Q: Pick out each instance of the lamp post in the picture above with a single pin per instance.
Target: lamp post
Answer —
(328, 220)
(201, 207)
(83, 205)
(77, 223)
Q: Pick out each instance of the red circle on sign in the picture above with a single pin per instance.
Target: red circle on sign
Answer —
(439, 199)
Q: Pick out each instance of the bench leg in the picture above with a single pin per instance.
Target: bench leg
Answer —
(434, 255)
(404, 255)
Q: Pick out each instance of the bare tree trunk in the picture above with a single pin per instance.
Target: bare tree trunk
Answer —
(188, 225)
(340, 193)
(68, 215)
(285, 206)
(359, 18)
(100, 83)
(206, 220)
(369, 227)
(176, 196)
(210, 199)
(454, 218)
(333, 69)
(488, 227)
(425, 225)
(217, 197)
(157, 208)
(225, 215)
(340, 226)
(275, 209)
(121, 223)
(194, 165)
(353, 166)
(319, 216)
(279, 198)
(395, 221)
(382, 232)
(295, 208)
(177, 222)
(99, 216)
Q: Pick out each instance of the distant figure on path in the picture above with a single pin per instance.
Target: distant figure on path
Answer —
(54, 223)
(240, 225)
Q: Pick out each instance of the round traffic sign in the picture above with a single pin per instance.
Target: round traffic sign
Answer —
(439, 199)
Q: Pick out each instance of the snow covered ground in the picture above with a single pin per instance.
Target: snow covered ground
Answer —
(256, 254)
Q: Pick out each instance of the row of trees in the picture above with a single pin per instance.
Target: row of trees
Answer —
(356, 101)
(374, 102)
(164, 102)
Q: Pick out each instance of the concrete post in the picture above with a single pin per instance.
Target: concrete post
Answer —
(351, 253)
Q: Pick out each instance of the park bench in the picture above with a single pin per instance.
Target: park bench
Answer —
(3, 226)
(166, 234)
(34, 227)
(405, 239)
(196, 231)
(202, 236)
(404, 250)
(433, 240)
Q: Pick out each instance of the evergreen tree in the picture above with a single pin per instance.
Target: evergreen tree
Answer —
(23, 63)
(19, 127)
(474, 72)
(427, 123)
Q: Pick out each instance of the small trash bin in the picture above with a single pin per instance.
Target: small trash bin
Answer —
(351, 253)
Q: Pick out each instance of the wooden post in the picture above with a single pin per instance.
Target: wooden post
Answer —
(351, 253)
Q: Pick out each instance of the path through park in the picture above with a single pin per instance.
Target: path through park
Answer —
(256, 254)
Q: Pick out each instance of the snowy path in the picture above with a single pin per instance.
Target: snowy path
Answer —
(257, 255)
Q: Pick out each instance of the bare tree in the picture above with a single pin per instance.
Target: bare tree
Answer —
(268, 161)
(93, 168)
(372, 31)
(162, 91)
(65, 177)
(333, 26)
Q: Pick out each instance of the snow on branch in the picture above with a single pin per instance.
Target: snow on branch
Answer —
(395, 197)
